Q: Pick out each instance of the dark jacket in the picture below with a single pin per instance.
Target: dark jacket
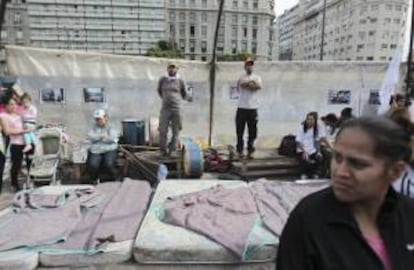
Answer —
(321, 233)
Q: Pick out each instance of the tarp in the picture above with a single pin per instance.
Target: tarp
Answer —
(291, 89)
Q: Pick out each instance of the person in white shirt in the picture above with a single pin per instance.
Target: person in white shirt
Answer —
(308, 139)
(248, 85)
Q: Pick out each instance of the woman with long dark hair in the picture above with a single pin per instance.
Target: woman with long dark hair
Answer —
(307, 139)
(13, 127)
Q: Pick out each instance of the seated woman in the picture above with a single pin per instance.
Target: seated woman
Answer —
(308, 141)
(359, 222)
(103, 145)
(405, 183)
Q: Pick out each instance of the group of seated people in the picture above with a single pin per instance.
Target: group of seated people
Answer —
(314, 141)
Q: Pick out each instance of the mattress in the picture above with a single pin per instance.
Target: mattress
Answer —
(161, 243)
(19, 259)
(113, 253)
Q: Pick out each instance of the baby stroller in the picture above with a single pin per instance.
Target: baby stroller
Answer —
(45, 162)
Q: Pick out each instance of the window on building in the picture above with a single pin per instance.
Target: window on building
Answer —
(182, 2)
(389, 7)
(374, 7)
(373, 20)
(172, 16)
(371, 33)
(254, 33)
(192, 30)
(387, 20)
(398, 7)
(19, 34)
(17, 18)
(182, 16)
(370, 58)
(362, 21)
(254, 20)
(255, 4)
(235, 4)
(254, 47)
(203, 3)
(192, 45)
(245, 32)
(3, 35)
(172, 2)
(182, 44)
(245, 4)
(397, 21)
(192, 16)
(383, 58)
(361, 35)
(244, 46)
(204, 17)
(234, 18)
(204, 30)
(234, 32)
(234, 47)
(192, 2)
(244, 19)
(204, 58)
(203, 46)
(182, 29)
(393, 46)
(360, 46)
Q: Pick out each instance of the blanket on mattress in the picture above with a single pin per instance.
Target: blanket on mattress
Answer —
(80, 220)
(228, 216)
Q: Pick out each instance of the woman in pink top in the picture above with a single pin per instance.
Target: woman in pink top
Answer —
(13, 127)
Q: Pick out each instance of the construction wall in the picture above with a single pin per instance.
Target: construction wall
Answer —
(291, 89)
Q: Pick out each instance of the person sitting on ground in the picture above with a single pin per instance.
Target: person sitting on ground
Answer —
(359, 222)
(29, 117)
(308, 140)
(103, 140)
(346, 114)
(405, 183)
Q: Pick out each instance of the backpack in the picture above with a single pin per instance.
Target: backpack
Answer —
(287, 146)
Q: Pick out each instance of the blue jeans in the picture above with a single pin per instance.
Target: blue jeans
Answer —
(95, 161)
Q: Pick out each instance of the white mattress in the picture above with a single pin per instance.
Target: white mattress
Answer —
(113, 253)
(159, 243)
(19, 259)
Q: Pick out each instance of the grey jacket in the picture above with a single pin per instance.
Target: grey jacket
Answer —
(103, 139)
(171, 91)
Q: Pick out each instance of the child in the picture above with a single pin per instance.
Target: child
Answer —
(29, 117)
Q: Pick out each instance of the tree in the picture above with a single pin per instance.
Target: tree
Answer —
(241, 56)
(165, 49)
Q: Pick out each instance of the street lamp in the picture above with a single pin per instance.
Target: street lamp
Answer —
(323, 28)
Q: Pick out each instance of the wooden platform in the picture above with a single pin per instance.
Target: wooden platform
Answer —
(268, 164)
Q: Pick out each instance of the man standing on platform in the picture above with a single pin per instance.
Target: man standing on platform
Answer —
(171, 89)
(248, 85)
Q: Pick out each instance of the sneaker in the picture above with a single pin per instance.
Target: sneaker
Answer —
(240, 156)
(27, 148)
(250, 155)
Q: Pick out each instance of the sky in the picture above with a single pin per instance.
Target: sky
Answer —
(282, 5)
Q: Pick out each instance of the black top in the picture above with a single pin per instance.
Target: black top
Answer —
(321, 233)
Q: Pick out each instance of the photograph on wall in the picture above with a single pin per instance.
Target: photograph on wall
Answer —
(189, 93)
(339, 96)
(50, 95)
(234, 92)
(93, 95)
(374, 97)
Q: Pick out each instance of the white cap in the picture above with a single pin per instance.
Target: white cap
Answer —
(99, 113)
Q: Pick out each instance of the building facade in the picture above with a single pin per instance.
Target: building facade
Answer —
(354, 30)
(15, 28)
(113, 26)
(285, 31)
(246, 27)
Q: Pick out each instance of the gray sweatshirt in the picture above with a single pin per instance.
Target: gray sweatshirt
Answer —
(171, 90)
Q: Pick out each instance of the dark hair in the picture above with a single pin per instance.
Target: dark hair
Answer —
(315, 126)
(390, 140)
(26, 96)
(6, 99)
(346, 112)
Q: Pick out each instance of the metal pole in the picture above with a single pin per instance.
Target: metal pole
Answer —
(323, 28)
(213, 72)
(2, 13)
(410, 55)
